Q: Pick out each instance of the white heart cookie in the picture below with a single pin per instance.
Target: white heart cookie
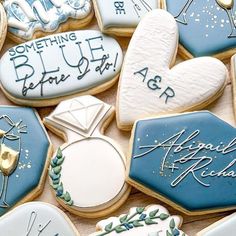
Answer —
(147, 84)
(36, 218)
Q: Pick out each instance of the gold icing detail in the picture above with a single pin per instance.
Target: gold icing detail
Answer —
(2, 132)
(8, 159)
(227, 4)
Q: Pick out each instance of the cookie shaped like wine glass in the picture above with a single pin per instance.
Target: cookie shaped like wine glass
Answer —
(87, 173)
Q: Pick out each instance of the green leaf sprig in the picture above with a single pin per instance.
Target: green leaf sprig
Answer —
(55, 175)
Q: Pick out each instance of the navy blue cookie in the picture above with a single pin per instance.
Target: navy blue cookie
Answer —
(188, 161)
(206, 27)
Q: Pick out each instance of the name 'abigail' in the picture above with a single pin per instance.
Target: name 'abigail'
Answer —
(191, 157)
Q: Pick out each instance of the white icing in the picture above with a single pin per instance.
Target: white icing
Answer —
(84, 60)
(93, 171)
(193, 81)
(26, 219)
(124, 14)
(25, 17)
(158, 229)
(227, 226)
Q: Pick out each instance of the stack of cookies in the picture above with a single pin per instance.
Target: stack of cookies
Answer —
(165, 70)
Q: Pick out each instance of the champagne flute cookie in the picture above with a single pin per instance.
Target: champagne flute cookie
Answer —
(206, 28)
(37, 218)
(31, 19)
(149, 83)
(154, 220)
(121, 17)
(87, 173)
(24, 151)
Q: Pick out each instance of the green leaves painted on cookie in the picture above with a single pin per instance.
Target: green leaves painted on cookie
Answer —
(55, 175)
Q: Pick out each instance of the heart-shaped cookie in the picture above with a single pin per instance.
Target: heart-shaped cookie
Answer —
(147, 84)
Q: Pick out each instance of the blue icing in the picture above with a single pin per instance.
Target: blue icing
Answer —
(207, 29)
(194, 192)
(33, 153)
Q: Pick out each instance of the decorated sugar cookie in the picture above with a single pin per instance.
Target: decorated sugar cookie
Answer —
(30, 19)
(24, 151)
(223, 227)
(205, 27)
(46, 71)
(88, 172)
(36, 218)
(122, 17)
(233, 80)
(3, 25)
(186, 160)
(153, 220)
(149, 86)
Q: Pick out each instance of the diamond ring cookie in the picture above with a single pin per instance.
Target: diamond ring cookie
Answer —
(186, 160)
(149, 85)
(37, 218)
(31, 19)
(225, 226)
(24, 152)
(206, 28)
(153, 220)
(45, 71)
(121, 17)
(3, 25)
(87, 173)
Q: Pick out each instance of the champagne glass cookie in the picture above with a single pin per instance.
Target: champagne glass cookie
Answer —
(87, 173)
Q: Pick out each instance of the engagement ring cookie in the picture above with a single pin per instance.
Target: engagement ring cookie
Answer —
(206, 28)
(24, 152)
(121, 17)
(37, 218)
(149, 86)
(223, 227)
(87, 173)
(153, 220)
(186, 160)
(31, 19)
(45, 71)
